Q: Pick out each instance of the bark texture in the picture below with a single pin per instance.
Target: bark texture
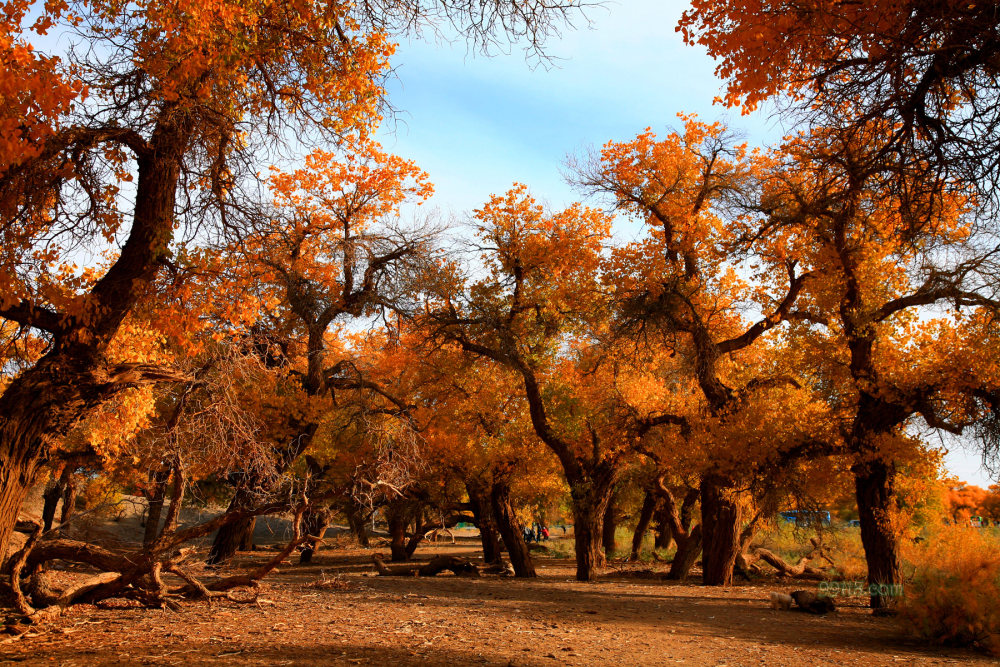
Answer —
(510, 529)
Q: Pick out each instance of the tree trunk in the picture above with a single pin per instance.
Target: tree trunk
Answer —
(395, 516)
(15, 479)
(587, 531)
(874, 483)
(416, 538)
(68, 499)
(72, 378)
(688, 548)
(608, 529)
(590, 503)
(645, 516)
(510, 529)
(157, 494)
(664, 533)
(51, 497)
(721, 523)
(489, 534)
(234, 536)
(53, 493)
(688, 539)
(356, 522)
(315, 522)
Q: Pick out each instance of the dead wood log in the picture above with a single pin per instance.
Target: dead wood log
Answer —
(458, 566)
(74, 593)
(800, 570)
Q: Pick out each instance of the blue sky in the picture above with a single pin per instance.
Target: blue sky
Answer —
(478, 124)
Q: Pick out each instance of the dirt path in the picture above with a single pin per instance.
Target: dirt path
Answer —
(553, 620)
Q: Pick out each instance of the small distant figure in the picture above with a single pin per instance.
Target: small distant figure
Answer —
(528, 534)
(545, 532)
(564, 529)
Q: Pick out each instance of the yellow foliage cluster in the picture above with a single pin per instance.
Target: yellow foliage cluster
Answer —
(954, 597)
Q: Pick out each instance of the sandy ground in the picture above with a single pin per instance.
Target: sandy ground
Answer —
(335, 611)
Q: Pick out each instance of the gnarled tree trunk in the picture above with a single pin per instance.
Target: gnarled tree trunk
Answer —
(356, 522)
(236, 535)
(68, 500)
(688, 539)
(664, 533)
(157, 494)
(721, 522)
(53, 494)
(874, 483)
(73, 377)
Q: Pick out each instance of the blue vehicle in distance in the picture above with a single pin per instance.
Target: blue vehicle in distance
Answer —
(805, 517)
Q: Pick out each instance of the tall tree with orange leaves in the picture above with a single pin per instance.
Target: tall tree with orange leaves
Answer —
(682, 284)
(180, 94)
(896, 300)
(539, 311)
(137, 135)
(325, 250)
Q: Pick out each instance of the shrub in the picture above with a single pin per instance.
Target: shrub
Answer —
(954, 597)
(101, 496)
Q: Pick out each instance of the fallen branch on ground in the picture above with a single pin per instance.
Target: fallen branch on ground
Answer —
(801, 570)
(437, 565)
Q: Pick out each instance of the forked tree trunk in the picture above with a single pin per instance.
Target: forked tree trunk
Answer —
(721, 523)
(874, 484)
(510, 529)
(688, 548)
(314, 523)
(482, 511)
(50, 499)
(688, 539)
(237, 536)
(53, 494)
(664, 534)
(416, 538)
(609, 528)
(645, 516)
